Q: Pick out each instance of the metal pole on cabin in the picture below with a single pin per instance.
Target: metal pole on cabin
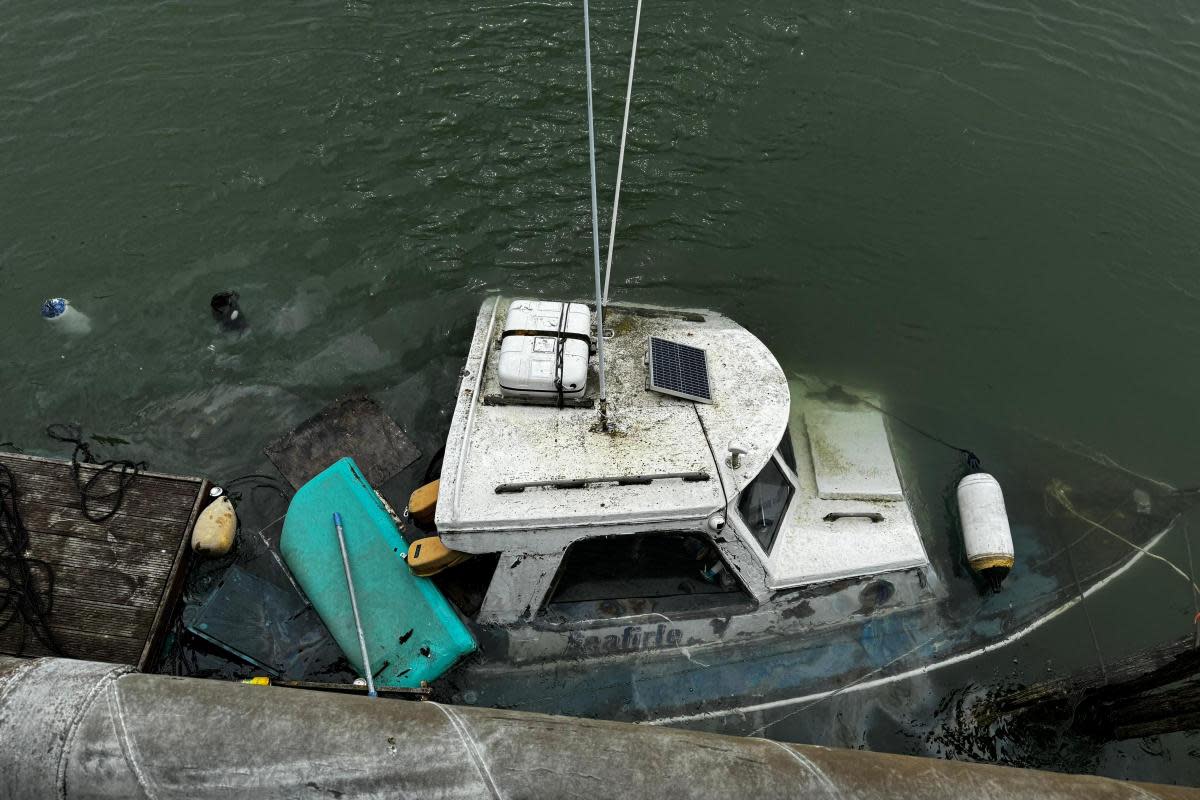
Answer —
(587, 54)
(362, 640)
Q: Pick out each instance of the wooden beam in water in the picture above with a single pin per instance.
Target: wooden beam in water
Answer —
(1151, 692)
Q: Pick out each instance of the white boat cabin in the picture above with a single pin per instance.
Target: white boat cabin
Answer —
(739, 477)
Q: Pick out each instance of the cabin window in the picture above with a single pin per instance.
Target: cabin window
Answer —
(622, 576)
(764, 502)
(786, 451)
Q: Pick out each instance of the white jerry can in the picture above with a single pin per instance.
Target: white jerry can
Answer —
(545, 343)
(987, 538)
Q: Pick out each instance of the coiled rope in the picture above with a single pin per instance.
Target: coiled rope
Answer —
(125, 470)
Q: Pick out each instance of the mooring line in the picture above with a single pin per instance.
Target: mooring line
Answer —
(1087, 615)
(860, 684)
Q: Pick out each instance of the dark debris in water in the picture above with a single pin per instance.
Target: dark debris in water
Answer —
(966, 729)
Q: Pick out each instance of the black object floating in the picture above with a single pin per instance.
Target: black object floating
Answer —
(226, 311)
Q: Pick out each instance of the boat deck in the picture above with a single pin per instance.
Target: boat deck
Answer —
(665, 459)
(115, 582)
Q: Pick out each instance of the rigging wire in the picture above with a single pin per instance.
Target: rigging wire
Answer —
(1058, 491)
(612, 230)
(1187, 541)
(587, 54)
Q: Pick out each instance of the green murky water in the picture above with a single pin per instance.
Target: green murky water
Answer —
(989, 210)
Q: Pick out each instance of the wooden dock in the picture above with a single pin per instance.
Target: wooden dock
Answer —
(116, 582)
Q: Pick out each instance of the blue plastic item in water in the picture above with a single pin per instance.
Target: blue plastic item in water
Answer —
(412, 632)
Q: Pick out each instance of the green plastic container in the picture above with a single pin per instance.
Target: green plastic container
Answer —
(413, 634)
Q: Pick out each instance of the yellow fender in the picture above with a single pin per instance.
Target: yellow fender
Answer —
(429, 556)
(423, 504)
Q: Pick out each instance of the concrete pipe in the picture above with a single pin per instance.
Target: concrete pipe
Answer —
(77, 729)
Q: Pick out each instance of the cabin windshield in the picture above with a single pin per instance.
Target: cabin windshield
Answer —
(764, 502)
(619, 576)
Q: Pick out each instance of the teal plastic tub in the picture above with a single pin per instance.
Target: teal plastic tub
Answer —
(413, 633)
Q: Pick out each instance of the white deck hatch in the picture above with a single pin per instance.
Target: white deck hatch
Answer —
(851, 454)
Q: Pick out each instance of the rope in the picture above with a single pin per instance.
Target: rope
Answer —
(587, 55)
(125, 470)
(21, 600)
(612, 231)
(559, 347)
(973, 463)
(712, 451)
(1087, 613)
(260, 482)
(1187, 541)
(1058, 491)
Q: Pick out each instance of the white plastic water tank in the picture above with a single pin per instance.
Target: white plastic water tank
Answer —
(987, 538)
(530, 356)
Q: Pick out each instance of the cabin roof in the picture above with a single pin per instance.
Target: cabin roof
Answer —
(490, 445)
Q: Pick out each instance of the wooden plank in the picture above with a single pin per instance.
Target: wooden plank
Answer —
(1153, 666)
(103, 586)
(162, 617)
(1165, 710)
(55, 520)
(79, 614)
(144, 498)
(130, 558)
(1151, 692)
(88, 645)
(33, 468)
(44, 465)
(117, 582)
(96, 607)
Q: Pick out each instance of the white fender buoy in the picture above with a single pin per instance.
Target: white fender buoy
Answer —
(987, 538)
(215, 528)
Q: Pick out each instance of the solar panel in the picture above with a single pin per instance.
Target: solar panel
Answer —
(679, 370)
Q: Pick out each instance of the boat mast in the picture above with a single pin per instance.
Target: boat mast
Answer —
(587, 54)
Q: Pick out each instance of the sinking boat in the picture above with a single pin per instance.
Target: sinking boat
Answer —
(685, 532)
(727, 537)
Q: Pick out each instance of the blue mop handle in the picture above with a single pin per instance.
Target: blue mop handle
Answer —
(362, 640)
